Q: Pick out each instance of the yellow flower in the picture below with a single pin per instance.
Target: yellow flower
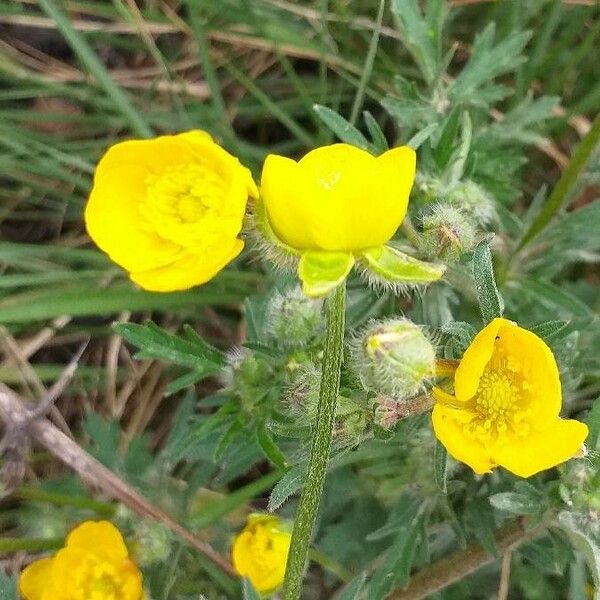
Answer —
(338, 205)
(93, 565)
(338, 197)
(260, 552)
(506, 405)
(169, 210)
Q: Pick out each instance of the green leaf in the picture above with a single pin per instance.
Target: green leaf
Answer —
(353, 590)
(322, 272)
(288, 485)
(593, 423)
(155, 342)
(549, 329)
(397, 267)
(583, 540)
(422, 136)
(270, 448)
(8, 587)
(342, 128)
(379, 140)
(513, 502)
(420, 33)
(440, 466)
(248, 590)
(395, 570)
(490, 301)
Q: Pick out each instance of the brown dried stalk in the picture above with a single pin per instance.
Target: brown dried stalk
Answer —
(16, 416)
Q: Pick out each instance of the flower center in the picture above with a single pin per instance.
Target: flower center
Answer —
(188, 205)
(98, 581)
(500, 405)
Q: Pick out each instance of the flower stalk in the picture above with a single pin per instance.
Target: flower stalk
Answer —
(321, 444)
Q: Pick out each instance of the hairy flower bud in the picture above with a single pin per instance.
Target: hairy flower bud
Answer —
(394, 357)
(293, 319)
(447, 233)
(151, 543)
(473, 200)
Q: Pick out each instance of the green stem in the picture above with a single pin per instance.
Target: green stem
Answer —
(561, 191)
(321, 444)
(329, 564)
(10, 545)
(106, 509)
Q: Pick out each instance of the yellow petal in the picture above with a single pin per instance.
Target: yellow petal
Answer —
(100, 538)
(113, 221)
(449, 427)
(188, 271)
(543, 450)
(537, 365)
(474, 360)
(337, 197)
(286, 201)
(35, 579)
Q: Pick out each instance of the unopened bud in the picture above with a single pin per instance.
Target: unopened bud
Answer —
(472, 200)
(244, 373)
(447, 233)
(301, 398)
(394, 357)
(293, 319)
(151, 542)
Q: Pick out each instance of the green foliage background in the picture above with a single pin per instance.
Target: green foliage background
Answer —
(499, 94)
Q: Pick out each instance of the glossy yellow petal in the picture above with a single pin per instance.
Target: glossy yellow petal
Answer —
(157, 202)
(449, 426)
(101, 538)
(286, 201)
(260, 552)
(533, 360)
(338, 197)
(114, 221)
(475, 359)
(35, 578)
(188, 271)
(543, 450)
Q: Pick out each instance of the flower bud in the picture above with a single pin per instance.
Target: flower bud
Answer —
(244, 373)
(394, 357)
(151, 543)
(447, 233)
(293, 319)
(472, 200)
(301, 398)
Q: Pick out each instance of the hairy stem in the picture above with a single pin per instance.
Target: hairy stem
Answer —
(462, 563)
(321, 444)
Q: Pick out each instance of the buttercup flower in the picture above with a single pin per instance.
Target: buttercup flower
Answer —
(260, 552)
(506, 405)
(169, 210)
(338, 204)
(93, 565)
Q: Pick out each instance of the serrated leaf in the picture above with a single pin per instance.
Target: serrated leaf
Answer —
(354, 588)
(321, 272)
(490, 301)
(479, 515)
(155, 342)
(342, 128)
(288, 485)
(397, 267)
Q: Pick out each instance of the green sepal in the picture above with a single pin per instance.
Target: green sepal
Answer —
(321, 272)
(397, 267)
